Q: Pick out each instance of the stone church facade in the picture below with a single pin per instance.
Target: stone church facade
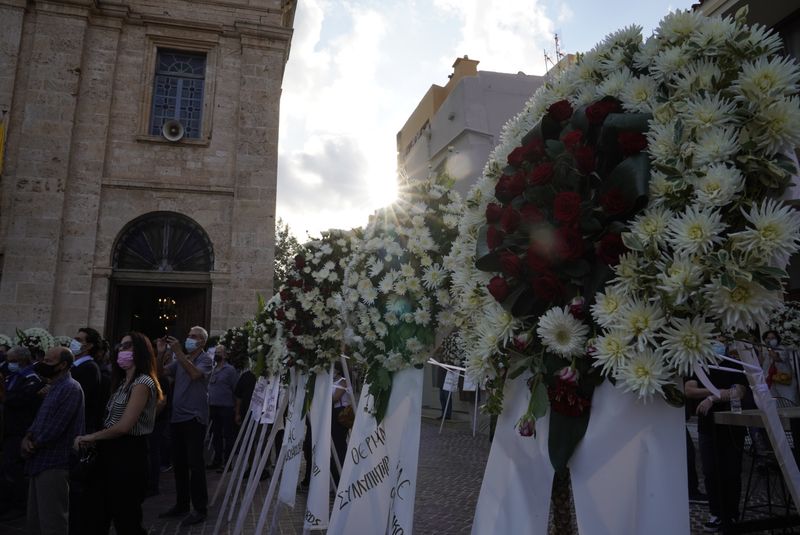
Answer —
(107, 217)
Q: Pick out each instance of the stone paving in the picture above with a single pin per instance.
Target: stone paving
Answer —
(451, 467)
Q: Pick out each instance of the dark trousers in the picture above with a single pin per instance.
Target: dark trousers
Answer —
(155, 440)
(447, 407)
(222, 432)
(13, 481)
(119, 485)
(722, 469)
(339, 439)
(189, 465)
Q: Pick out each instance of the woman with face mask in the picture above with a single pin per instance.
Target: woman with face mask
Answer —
(120, 482)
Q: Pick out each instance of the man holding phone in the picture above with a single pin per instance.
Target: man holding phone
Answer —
(190, 370)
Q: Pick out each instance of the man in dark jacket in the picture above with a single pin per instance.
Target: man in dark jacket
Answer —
(86, 371)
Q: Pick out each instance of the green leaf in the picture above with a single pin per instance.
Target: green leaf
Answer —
(566, 432)
(534, 132)
(489, 262)
(550, 128)
(518, 367)
(539, 401)
(728, 281)
(632, 178)
(770, 271)
(554, 148)
(577, 269)
(579, 120)
(632, 241)
(309, 393)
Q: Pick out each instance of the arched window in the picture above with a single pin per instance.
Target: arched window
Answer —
(163, 241)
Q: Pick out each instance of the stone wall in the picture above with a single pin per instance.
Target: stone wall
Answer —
(80, 163)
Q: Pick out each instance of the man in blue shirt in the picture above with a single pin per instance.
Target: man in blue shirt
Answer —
(191, 370)
(48, 444)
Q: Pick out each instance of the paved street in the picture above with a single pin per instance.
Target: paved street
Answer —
(450, 471)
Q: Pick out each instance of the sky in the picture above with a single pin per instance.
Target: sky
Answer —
(358, 68)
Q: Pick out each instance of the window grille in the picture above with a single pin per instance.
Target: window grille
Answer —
(178, 91)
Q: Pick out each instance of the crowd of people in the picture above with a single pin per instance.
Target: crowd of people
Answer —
(88, 430)
(721, 455)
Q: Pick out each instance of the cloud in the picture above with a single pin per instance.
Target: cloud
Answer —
(505, 35)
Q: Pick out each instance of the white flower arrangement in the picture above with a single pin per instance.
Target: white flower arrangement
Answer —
(265, 340)
(6, 341)
(311, 300)
(786, 322)
(63, 340)
(396, 289)
(708, 252)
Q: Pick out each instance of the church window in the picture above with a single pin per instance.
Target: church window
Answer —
(178, 91)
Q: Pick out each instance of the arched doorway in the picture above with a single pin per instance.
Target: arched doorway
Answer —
(161, 282)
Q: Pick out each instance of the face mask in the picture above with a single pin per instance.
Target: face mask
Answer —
(46, 370)
(75, 347)
(772, 342)
(125, 359)
(191, 344)
(13, 367)
(718, 347)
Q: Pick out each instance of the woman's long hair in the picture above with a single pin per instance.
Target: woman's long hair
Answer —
(144, 359)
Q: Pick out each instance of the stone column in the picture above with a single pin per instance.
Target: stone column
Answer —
(40, 137)
(82, 197)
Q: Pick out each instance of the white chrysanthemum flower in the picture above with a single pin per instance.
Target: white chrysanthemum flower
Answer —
(366, 291)
(613, 61)
(679, 278)
(639, 95)
(643, 58)
(688, 343)
(561, 333)
(433, 276)
(641, 320)
(774, 233)
(606, 308)
(661, 142)
(629, 35)
(668, 62)
(746, 306)
(386, 285)
(644, 373)
(375, 267)
(661, 188)
(776, 127)
(678, 26)
(702, 75)
(614, 84)
(719, 185)
(715, 145)
(713, 33)
(611, 349)
(760, 41)
(422, 316)
(767, 77)
(627, 273)
(709, 111)
(696, 231)
(651, 225)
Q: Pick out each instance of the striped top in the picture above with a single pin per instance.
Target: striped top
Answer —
(119, 400)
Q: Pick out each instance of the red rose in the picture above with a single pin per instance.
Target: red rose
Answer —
(584, 158)
(569, 244)
(526, 427)
(572, 139)
(610, 249)
(493, 212)
(565, 398)
(494, 238)
(286, 294)
(614, 202)
(567, 207)
(548, 287)
(510, 264)
(297, 330)
(560, 111)
(536, 261)
(299, 262)
(280, 314)
(509, 187)
(499, 289)
(531, 213)
(597, 112)
(541, 174)
(531, 151)
(631, 143)
(510, 219)
(296, 283)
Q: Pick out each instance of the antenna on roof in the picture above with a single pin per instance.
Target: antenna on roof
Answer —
(549, 63)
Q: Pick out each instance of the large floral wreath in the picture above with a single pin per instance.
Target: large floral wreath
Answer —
(36, 339)
(265, 344)
(396, 288)
(707, 254)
